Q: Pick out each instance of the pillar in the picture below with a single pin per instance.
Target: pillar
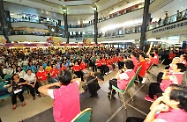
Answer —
(66, 27)
(145, 23)
(4, 23)
(95, 25)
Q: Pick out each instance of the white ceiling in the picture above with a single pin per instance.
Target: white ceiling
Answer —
(83, 9)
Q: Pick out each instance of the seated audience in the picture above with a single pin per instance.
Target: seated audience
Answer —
(123, 77)
(156, 58)
(170, 107)
(183, 59)
(143, 64)
(77, 70)
(134, 60)
(168, 78)
(16, 86)
(21, 73)
(53, 73)
(42, 76)
(32, 83)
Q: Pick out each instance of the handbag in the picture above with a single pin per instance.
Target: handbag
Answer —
(10, 89)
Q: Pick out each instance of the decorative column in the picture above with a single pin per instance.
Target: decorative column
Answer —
(146, 20)
(3, 21)
(95, 24)
(66, 25)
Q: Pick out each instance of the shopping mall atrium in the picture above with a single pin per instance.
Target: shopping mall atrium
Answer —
(100, 36)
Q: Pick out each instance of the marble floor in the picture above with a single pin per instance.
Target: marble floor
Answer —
(103, 109)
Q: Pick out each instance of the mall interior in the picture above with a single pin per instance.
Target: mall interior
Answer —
(33, 30)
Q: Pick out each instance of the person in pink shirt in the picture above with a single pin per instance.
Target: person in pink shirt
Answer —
(134, 60)
(171, 107)
(168, 78)
(183, 59)
(123, 77)
(66, 98)
(156, 57)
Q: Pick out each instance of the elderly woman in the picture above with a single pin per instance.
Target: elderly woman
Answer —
(171, 107)
(32, 84)
(175, 77)
(17, 90)
(122, 77)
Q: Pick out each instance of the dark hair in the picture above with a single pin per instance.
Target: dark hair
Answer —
(143, 55)
(179, 93)
(133, 53)
(28, 70)
(129, 64)
(151, 54)
(181, 66)
(17, 68)
(156, 51)
(64, 77)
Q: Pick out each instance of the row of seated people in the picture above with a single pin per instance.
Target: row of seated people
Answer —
(171, 78)
(22, 81)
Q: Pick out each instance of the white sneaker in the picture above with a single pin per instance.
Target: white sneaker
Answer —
(144, 80)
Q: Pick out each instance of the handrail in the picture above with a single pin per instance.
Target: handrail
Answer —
(169, 20)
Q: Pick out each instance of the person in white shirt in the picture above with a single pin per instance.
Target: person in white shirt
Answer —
(25, 62)
(32, 84)
(21, 73)
(9, 70)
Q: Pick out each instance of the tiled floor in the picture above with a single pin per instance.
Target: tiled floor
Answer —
(104, 109)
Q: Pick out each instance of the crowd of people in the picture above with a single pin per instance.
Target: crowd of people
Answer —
(34, 69)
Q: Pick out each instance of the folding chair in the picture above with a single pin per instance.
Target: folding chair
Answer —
(83, 116)
(7, 77)
(122, 92)
(137, 73)
(6, 95)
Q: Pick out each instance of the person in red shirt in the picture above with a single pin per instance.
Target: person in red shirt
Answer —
(53, 73)
(63, 67)
(83, 65)
(99, 65)
(156, 58)
(142, 63)
(104, 67)
(42, 76)
(77, 70)
(150, 60)
(108, 64)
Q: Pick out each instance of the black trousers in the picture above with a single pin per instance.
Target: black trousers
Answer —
(120, 64)
(154, 88)
(79, 75)
(20, 96)
(106, 69)
(140, 78)
(134, 119)
(32, 90)
(114, 83)
(94, 68)
(102, 70)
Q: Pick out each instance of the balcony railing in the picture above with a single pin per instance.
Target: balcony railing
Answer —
(168, 20)
(119, 13)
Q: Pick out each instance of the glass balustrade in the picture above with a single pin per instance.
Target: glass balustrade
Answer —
(168, 20)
